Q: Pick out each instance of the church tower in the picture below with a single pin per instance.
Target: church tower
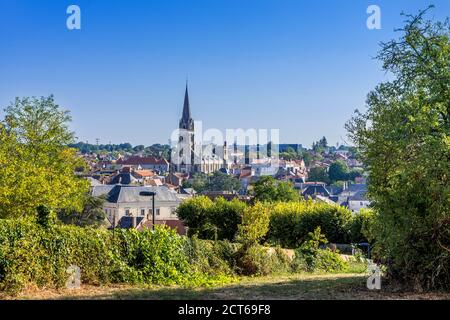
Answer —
(186, 138)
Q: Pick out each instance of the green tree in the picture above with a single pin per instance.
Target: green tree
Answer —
(220, 181)
(195, 214)
(225, 216)
(198, 182)
(269, 189)
(318, 174)
(254, 226)
(92, 213)
(404, 140)
(36, 166)
(338, 171)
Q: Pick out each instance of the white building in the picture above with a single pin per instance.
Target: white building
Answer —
(125, 203)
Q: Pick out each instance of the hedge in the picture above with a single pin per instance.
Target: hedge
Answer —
(31, 254)
(34, 255)
(291, 222)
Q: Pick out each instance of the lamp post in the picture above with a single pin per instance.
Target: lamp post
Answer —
(150, 194)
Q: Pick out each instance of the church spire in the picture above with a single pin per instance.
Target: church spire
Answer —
(186, 121)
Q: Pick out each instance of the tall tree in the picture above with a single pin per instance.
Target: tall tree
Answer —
(404, 140)
(338, 171)
(36, 166)
(268, 189)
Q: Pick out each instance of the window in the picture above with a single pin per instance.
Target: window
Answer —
(142, 212)
(127, 212)
(157, 212)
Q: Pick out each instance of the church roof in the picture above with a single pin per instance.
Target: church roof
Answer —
(186, 121)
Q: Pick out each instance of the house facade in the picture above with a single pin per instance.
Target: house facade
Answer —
(125, 203)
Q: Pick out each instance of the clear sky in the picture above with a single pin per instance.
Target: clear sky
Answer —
(296, 65)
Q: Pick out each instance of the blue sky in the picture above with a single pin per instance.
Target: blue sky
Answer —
(299, 66)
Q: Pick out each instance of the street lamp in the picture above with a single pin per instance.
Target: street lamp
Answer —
(150, 194)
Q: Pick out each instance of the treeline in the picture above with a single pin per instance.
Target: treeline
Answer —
(156, 150)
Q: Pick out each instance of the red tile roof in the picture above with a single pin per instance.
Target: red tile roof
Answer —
(142, 160)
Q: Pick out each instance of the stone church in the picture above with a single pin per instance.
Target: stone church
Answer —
(189, 156)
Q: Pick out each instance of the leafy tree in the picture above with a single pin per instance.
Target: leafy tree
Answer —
(338, 171)
(195, 214)
(353, 174)
(220, 181)
(36, 166)
(269, 189)
(198, 182)
(318, 174)
(403, 138)
(307, 157)
(92, 213)
(320, 146)
(225, 216)
(214, 220)
(255, 225)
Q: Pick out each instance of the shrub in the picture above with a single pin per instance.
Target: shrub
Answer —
(309, 257)
(213, 220)
(255, 224)
(291, 222)
(211, 257)
(30, 254)
(361, 225)
(257, 260)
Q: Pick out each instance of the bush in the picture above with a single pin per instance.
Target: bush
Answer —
(310, 258)
(30, 254)
(212, 220)
(257, 260)
(291, 222)
(361, 225)
(211, 257)
(255, 224)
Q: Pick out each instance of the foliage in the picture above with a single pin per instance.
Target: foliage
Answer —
(403, 137)
(255, 224)
(92, 213)
(257, 260)
(290, 223)
(45, 217)
(198, 182)
(309, 257)
(212, 220)
(269, 189)
(318, 174)
(225, 216)
(220, 181)
(320, 146)
(30, 254)
(195, 214)
(361, 226)
(35, 165)
(212, 257)
(338, 171)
